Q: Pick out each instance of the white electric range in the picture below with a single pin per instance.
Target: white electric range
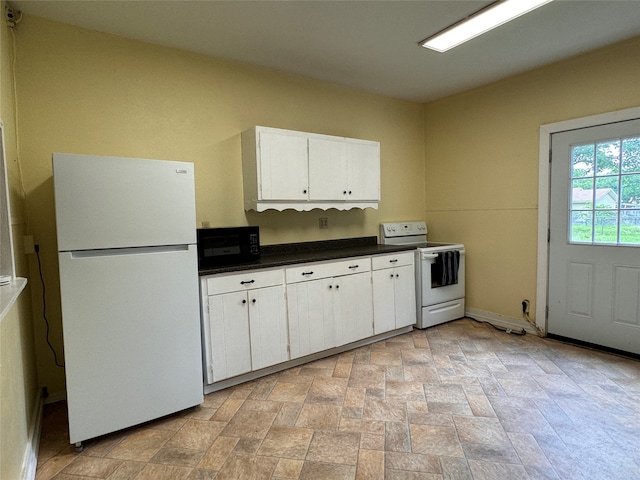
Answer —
(440, 272)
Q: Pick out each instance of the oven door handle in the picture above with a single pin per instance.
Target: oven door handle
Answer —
(431, 256)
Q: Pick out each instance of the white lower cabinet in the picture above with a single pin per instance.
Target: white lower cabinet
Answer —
(353, 307)
(260, 318)
(244, 323)
(394, 296)
(329, 304)
(311, 317)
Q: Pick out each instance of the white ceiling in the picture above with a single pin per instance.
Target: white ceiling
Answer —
(368, 45)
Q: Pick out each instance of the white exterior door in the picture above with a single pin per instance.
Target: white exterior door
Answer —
(594, 255)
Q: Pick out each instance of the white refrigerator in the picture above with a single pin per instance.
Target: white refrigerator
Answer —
(126, 233)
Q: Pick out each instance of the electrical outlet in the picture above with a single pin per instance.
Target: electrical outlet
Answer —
(206, 224)
(323, 222)
(525, 306)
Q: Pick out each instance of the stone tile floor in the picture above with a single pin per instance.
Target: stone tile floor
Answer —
(458, 401)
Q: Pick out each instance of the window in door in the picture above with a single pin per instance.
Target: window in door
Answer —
(604, 208)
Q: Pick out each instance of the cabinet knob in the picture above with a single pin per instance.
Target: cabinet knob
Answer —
(253, 301)
(330, 287)
(244, 301)
(349, 192)
(344, 192)
(304, 191)
(337, 287)
(397, 275)
(391, 275)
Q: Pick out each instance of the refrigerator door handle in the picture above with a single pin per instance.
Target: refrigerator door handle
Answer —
(111, 252)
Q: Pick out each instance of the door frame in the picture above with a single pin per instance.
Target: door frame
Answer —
(544, 194)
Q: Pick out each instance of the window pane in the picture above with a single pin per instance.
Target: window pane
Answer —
(581, 227)
(631, 155)
(607, 192)
(630, 195)
(582, 160)
(582, 194)
(630, 227)
(608, 157)
(605, 227)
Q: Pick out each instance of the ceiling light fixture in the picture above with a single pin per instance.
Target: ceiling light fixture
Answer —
(480, 22)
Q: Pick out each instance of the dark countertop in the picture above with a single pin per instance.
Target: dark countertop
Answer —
(303, 252)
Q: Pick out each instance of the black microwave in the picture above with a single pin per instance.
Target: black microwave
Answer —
(227, 245)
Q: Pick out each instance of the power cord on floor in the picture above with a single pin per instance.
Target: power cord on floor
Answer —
(44, 308)
(515, 331)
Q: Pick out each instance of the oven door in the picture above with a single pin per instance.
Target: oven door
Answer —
(432, 290)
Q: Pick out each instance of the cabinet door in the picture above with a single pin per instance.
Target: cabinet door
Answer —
(268, 326)
(405, 296)
(311, 325)
(354, 307)
(283, 170)
(327, 169)
(363, 170)
(384, 309)
(229, 327)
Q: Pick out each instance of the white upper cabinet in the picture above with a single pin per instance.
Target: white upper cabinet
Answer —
(285, 169)
(280, 154)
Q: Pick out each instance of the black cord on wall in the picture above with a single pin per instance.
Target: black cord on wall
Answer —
(44, 308)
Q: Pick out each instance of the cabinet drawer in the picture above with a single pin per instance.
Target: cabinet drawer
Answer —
(246, 280)
(392, 260)
(314, 271)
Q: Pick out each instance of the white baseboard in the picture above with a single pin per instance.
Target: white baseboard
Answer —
(501, 320)
(30, 461)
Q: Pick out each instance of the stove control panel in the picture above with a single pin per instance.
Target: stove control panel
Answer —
(403, 229)
(399, 233)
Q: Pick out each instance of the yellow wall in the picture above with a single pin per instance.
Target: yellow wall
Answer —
(18, 379)
(85, 92)
(481, 167)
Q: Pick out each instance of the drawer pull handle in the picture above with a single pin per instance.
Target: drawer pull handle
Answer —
(395, 260)
(354, 266)
(307, 273)
(248, 282)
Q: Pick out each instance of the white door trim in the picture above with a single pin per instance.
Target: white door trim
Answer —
(544, 181)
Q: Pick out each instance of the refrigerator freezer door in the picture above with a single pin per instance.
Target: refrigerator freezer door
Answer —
(131, 337)
(113, 202)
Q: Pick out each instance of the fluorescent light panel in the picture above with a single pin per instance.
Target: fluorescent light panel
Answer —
(481, 22)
